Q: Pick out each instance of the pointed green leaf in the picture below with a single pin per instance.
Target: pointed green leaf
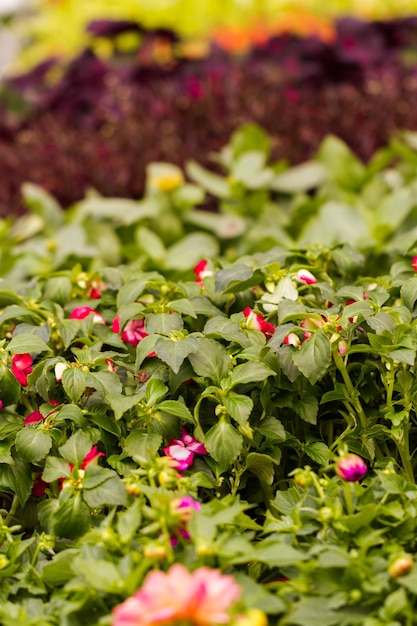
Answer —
(210, 360)
(173, 352)
(223, 443)
(33, 444)
(314, 356)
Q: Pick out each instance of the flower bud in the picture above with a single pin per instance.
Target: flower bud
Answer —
(351, 468)
(154, 551)
(401, 566)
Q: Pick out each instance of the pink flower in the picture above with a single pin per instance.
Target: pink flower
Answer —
(183, 450)
(34, 418)
(1, 404)
(414, 263)
(200, 598)
(133, 332)
(256, 321)
(201, 272)
(306, 277)
(183, 509)
(81, 312)
(351, 468)
(21, 367)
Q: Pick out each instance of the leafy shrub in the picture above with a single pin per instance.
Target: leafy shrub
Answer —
(159, 408)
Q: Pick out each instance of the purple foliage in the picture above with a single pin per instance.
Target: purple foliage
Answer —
(104, 121)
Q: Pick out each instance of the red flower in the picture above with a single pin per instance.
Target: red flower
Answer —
(256, 321)
(91, 456)
(21, 367)
(414, 263)
(81, 312)
(39, 486)
(201, 272)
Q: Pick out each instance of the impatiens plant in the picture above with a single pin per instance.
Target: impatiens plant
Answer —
(198, 427)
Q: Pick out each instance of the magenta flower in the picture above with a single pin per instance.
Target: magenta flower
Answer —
(351, 468)
(182, 450)
(1, 404)
(81, 312)
(34, 418)
(306, 277)
(204, 597)
(91, 456)
(183, 509)
(256, 321)
(414, 263)
(21, 367)
(133, 332)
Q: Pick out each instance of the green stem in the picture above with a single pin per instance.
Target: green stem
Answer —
(348, 497)
(12, 511)
(403, 448)
(356, 403)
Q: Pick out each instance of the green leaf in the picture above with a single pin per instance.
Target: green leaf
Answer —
(173, 352)
(163, 323)
(40, 202)
(409, 293)
(319, 452)
(144, 348)
(129, 521)
(334, 223)
(238, 406)
(221, 327)
(174, 407)
(10, 387)
(214, 184)
(76, 448)
(58, 289)
(308, 175)
(275, 553)
(271, 428)
(261, 465)
(314, 356)
(233, 276)
(55, 468)
(33, 444)
(307, 408)
(248, 373)
(151, 244)
(210, 360)
(74, 382)
(72, 519)
(223, 443)
(183, 306)
(129, 292)
(17, 477)
(155, 391)
(99, 574)
(110, 491)
(27, 342)
(71, 412)
(187, 252)
(314, 612)
(141, 446)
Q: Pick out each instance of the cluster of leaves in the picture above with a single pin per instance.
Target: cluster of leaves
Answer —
(91, 130)
(156, 409)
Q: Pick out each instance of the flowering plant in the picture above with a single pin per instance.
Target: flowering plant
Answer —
(207, 412)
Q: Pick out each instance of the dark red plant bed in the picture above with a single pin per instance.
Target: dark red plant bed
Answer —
(104, 121)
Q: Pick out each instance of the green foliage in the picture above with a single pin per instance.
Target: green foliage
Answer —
(128, 387)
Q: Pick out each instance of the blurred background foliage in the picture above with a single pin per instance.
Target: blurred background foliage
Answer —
(59, 27)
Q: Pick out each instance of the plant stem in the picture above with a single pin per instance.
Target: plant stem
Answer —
(354, 399)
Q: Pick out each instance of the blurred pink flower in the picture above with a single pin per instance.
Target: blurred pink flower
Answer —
(183, 450)
(306, 277)
(200, 598)
(414, 263)
(21, 367)
(256, 321)
(81, 312)
(34, 418)
(133, 332)
(183, 509)
(351, 468)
